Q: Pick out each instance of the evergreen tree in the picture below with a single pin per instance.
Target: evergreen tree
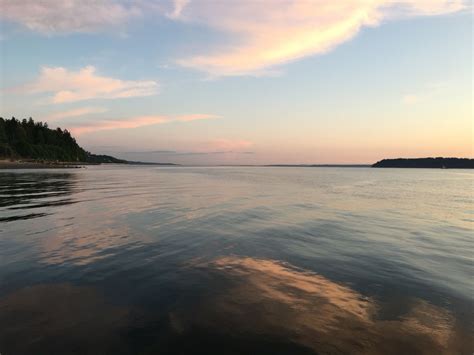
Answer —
(3, 133)
(34, 140)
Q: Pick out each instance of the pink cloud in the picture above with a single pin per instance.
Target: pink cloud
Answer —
(135, 122)
(223, 144)
(195, 117)
(262, 34)
(75, 113)
(85, 84)
(268, 33)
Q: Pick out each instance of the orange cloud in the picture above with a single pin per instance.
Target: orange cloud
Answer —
(86, 84)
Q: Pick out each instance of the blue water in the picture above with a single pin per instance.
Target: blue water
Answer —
(233, 260)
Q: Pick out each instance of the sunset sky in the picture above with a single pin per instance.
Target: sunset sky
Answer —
(244, 81)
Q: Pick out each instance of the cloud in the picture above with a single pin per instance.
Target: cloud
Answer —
(410, 99)
(179, 5)
(85, 84)
(178, 153)
(229, 144)
(260, 34)
(428, 92)
(195, 117)
(266, 35)
(67, 16)
(75, 113)
(133, 122)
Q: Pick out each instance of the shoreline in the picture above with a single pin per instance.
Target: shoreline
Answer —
(19, 164)
(6, 164)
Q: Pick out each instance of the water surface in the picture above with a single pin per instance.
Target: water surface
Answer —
(150, 260)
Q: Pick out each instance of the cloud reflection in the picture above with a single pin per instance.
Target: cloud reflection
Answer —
(269, 298)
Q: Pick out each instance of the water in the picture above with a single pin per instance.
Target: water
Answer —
(235, 260)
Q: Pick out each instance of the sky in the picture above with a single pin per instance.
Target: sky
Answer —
(244, 81)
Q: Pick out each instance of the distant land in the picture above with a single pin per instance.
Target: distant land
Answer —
(430, 163)
(31, 144)
(320, 165)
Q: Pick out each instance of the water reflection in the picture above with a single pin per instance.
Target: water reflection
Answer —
(59, 319)
(249, 305)
(258, 306)
(142, 260)
(271, 299)
(24, 192)
(93, 246)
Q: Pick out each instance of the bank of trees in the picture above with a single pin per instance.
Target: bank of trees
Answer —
(28, 139)
(432, 163)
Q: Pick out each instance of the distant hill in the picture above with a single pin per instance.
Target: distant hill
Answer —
(27, 139)
(433, 163)
(318, 165)
(101, 158)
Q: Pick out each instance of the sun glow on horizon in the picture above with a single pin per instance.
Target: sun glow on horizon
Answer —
(316, 81)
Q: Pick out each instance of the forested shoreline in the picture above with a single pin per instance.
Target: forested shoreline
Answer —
(28, 139)
(428, 163)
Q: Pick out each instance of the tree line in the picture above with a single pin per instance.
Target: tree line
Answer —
(432, 163)
(35, 140)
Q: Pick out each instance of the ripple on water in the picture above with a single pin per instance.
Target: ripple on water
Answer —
(236, 260)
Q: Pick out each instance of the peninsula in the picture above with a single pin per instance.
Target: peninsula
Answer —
(30, 144)
(430, 163)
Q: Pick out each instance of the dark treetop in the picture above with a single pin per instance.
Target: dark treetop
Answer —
(436, 163)
(35, 140)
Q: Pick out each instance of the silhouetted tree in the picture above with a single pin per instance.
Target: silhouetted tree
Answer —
(3, 133)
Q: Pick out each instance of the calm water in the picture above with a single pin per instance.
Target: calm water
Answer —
(112, 260)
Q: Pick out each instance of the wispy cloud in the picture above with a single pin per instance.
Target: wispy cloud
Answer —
(133, 122)
(223, 144)
(53, 16)
(179, 5)
(75, 113)
(190, 153)
(195, 117)
(429, 91)
(268, 33)
(85, 84)
(261, 34)
(410, 99)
